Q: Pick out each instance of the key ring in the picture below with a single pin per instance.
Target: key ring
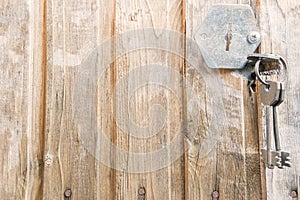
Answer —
(282, 64)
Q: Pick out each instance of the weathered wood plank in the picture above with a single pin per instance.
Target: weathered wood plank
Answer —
(21, 102)
(74, 30)
(62, 120)
(150, 84)
(280, 24)
(231, 166)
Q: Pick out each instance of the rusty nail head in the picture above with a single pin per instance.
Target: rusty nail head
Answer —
(68, 192)
(142, 191)
(215, 195)
(294, 194)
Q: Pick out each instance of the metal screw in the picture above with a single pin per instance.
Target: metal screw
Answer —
(68, 193)
(142, 191)
(203, 36)
(215, 195)
(294, 194)
(253, 37)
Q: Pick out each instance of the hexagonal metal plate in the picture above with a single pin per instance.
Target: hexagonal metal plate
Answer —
(223, 37)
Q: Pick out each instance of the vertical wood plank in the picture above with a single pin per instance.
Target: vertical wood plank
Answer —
(151, 82)
(74, 30)
(44, 48)
(21, 102)
(231, 166)
(280, 24)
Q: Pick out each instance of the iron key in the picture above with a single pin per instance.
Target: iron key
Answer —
(270, 97)
(285, 156)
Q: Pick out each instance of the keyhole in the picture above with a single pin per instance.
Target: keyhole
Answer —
(228, 41)
(228, 37)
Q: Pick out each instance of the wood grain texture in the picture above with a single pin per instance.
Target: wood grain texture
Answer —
(21, 102)
(280, 24)
(153, 95)
(74, 30)
(231, 165)
(82, 81)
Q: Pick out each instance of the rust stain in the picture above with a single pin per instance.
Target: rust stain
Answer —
(184, 104)
(258, 6)
(42, 122)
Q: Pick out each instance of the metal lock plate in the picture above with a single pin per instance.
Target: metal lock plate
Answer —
(227, 35)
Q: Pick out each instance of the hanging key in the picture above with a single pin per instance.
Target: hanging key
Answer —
(285, 156)
(270, 96)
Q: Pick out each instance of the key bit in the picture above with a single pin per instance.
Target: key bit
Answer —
(285, 160)
(274, 160)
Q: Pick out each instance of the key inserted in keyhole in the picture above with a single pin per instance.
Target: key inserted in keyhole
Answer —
(228, 37)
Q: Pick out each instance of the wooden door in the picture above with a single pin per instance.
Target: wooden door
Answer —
(112, 100)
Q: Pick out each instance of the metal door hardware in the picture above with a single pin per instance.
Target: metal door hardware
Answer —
(227, 35)
(272, 65)
(272, 95)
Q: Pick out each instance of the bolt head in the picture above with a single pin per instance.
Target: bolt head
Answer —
(215, 195)
(68, 193)
(294, 194)
(253, 37)
(142, 191)
(203, 36)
